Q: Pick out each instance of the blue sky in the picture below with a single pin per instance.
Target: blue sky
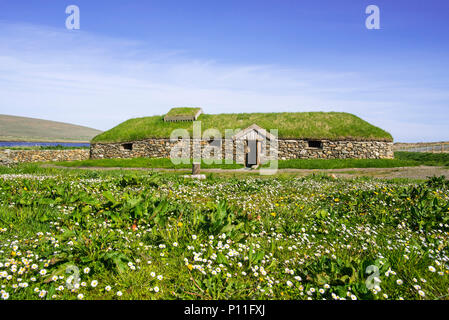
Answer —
(138, 58)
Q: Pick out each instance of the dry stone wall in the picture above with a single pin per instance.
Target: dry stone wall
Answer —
(19, 156)
(287, 149)
(151, 148)
(299, 149)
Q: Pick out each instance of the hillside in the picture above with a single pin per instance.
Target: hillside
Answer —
(306, 125)
(13, 128)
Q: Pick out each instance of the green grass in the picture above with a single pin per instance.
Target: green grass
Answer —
(157, 236)
(430, 159)
(141, 163)
(344, 163)
(182, 112)
(401, 161)
(37, 169)
(305, 125)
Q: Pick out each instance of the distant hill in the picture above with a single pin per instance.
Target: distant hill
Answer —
(13, 128)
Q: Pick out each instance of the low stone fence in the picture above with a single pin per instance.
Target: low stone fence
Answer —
(19, 156)
(432, 147)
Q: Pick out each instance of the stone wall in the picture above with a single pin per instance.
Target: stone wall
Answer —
(151, 148)
(287, 149)
(18, 156)
(299, 149)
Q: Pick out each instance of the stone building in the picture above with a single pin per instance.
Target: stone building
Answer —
(313, 135)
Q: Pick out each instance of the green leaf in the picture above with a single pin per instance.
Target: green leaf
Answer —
(108, 195)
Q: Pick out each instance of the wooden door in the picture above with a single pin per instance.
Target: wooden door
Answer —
(252, 153)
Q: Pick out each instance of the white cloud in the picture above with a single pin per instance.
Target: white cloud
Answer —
(97, 81)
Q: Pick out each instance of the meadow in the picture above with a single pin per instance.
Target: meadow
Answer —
(78, 234)
(402, 159)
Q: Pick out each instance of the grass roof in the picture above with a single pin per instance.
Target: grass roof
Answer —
(182, 114)
(299, 125)
(183, 111)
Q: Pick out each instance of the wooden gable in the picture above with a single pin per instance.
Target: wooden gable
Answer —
(254, 132)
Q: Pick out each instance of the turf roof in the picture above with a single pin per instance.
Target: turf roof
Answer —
(297, 125)
(182, 114)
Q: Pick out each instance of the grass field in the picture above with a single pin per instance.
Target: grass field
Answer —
(344, 163)
(435, 159)
(311, 125)
(140, 163)
(402, 159)
(13, 128)
(77, 234)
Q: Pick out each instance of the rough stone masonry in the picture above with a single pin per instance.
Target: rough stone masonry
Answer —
(287, 149)
(8, 157)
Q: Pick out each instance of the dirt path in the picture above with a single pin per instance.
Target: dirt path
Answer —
(421, 172)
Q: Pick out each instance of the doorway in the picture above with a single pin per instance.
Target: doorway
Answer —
(252, 153)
